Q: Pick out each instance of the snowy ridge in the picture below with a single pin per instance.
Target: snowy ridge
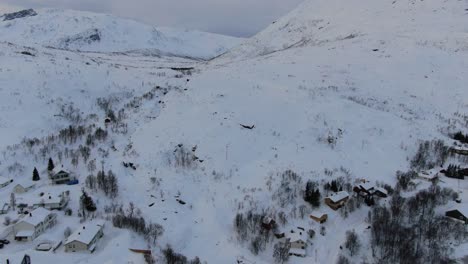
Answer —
(322, 22)
(85, 31)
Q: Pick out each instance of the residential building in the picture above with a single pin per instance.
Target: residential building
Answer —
(34, 224)
(85, 238)
(24, 186)
(61, 177)
(319, 217)
(54, 201)
(337, 200)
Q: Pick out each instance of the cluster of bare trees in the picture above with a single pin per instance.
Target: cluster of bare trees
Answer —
(107, 183)
(248, 229)
(133, 220)
(172, 257)
(429, 155)
(289, 189)
(409, 231)
(183, 158)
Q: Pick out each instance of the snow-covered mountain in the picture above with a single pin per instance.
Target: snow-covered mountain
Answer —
(334, 90)
(85, 31)
(373, 23)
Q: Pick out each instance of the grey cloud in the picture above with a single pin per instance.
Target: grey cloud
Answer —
(231, 17)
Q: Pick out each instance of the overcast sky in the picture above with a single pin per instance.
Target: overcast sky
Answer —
(231, 17)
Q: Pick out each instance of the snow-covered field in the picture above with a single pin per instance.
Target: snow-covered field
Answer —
(375, 76)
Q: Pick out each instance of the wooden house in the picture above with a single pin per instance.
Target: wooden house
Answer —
(460, 214)
(337, 200)
(319, 217)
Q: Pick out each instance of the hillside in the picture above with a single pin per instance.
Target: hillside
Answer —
(333, 91)
(374, 24)
(85, 31)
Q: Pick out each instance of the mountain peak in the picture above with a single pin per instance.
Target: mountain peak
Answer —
(92, 32)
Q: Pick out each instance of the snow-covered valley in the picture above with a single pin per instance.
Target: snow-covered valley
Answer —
(332, 91)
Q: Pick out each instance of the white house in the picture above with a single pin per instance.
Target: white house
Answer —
(85, 238)
(54, 201)
(34, 224)
(297, 243)
(5, 182)
(24, 186)
(61, 177)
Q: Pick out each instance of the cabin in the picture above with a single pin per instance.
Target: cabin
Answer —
(428, 176)
(337, 200)
(460, 214)
(34, 224)
(364, 189)
(85, 238)
(53, 201)
(23, 187)
(61, 177)
(319, 217)
(297, 244)
(4, 182)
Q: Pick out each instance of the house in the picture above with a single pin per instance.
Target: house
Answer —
(61, 177)
(319, 217)
(23, 187)
(5, 182)
(337, 200)
(364, 189)
(268, 223)
(428, 176)
(297, 244)
(85, 238)
(34, 224)
(54, 201)
(380, 192)
(460, 214)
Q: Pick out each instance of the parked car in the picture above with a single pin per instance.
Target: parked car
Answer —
(1, 245)
(73, 182)
(5, 241)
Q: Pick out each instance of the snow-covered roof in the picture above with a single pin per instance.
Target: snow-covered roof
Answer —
(366, 186)
(382, 190)
(51, 198)
(25, 184)
(462, 208)
(293, 237)
(336, 197)
(428, 175)
(318, 214)
(86, 232)
(297, 251)
(4, 180)
(25, 233)
(36, 216)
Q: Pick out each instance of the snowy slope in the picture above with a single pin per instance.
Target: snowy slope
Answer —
(394, 82)
(85, 31)
(321, 22)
